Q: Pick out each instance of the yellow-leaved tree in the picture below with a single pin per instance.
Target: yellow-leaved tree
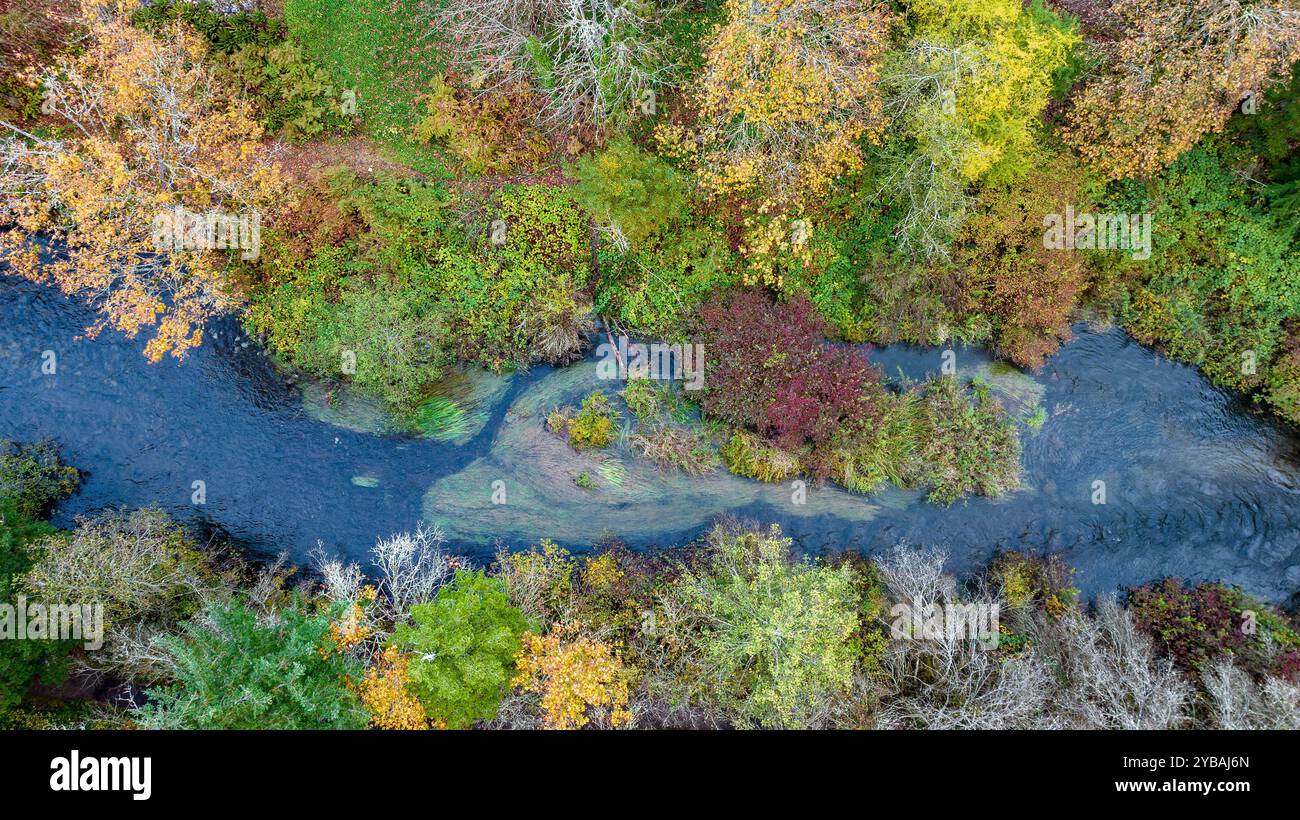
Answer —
(157, 172)
(579, 678)
(966, 96)
(789, 88)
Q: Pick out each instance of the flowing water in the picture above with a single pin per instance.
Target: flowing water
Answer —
(1196, 484)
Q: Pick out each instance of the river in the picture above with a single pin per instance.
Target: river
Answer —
(1196, 484)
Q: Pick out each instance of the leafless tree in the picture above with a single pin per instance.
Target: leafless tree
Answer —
(132, 651)
(594, 59)
(1237, 702)
(911, 574)
(411, 568)
(949, 679)
(1107, 674)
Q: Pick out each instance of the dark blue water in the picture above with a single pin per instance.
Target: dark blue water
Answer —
(1197, 485)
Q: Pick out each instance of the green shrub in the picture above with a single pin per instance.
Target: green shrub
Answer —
(34, 478)
(966, 447)
(226, 33)
(635, 193)
(293, 97)
(781, 635)
(236, 671)
(593, 426)
(655, 290)
(748, 455)
(1218, 289)
(870, 290)
(464, 644)
(21, 662)
(389, 341)
(344, 236)
(642, 397)
(544, 224)
(375, 282)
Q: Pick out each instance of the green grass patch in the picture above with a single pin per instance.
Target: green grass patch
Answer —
(380, 49)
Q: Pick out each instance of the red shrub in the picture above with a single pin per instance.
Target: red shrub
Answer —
(1192, 625)
(769, 369)
(1287, 665)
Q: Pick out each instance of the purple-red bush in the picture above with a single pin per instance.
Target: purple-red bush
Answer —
(1287, 665)
(1192, 625)
(769, 369)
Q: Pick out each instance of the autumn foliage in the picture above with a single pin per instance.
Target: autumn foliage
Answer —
(1177, 71)
(385, 695)
(147, 128)
(1029, 291)
(768, 369)
(579, 678)
(789, 88)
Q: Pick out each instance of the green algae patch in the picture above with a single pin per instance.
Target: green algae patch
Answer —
(526, 484)
(1018, 393)
(461, 405)
(459, 408)
(346, 408)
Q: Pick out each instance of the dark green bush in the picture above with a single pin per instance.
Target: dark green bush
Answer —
(34, 478)
(236, 671)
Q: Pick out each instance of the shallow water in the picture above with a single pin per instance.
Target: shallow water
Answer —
(1197, 486)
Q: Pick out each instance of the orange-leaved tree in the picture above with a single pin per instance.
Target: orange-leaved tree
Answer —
(157, 169)
(385, 692)
(1175, 72)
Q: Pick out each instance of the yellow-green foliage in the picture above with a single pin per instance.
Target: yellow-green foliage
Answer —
(539, 580)
(781, 635)
(630, 191)
(1007, 52)
(486, 134)
(544, 223)
(594, 424)
(642, 398)
(748, 455)
(870, 453)
(1016, 589)
(935, 436)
